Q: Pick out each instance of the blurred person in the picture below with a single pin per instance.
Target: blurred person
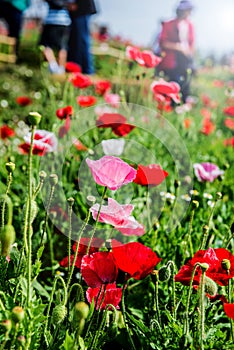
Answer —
(176, 41)
(79, 49)
(55, 35)
(12, 12)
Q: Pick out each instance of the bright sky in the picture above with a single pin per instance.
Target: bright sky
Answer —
(139, 20)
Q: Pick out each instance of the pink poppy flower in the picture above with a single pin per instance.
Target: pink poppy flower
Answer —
(23, 101)
(229, 123)
(44, 142)
(109, 294)
(207, 171)
(130, 227)
(98, 268)
(111, 172)
(113, 213)
(229, 142)
(166, 89)
(112, 99)
(86, 101)
(134, 258)
(148, 59)
(113, 147)
(132, 52)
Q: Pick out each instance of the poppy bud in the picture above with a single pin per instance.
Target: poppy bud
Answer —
(177, 183)
(154, 276)
(7, 324)
(7, 238)
(42, 175)
(164, 273)
(21, 339)
(17, 314)
(34, 118)
(218, 195)
(226, 264)
(81, 310)
(59, 313)
(10, 167)
(204, 266)
(210, 286)
(53, 179)
(70, 201)
(195, 204)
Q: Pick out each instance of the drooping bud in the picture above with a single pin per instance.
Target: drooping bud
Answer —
(226, 264)
(7, 238)
(70, 201)
(59, 313)
(195, 204)
(204, 266)
(34, 118)
(53, 179)
(21, 339)
(7, 324)
(177, 183)
(154, 276)
(81, 310)
(218, 195)
(10, 167)
(210, 286)
(164, 273)
(42, 175)
(17, 314)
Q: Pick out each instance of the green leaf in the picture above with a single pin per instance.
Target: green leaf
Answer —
(68, 343)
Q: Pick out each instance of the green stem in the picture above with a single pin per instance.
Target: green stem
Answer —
(148, 207)
(51, 194)
(172, 268)
(230, 300)
(125, 318)
(201, 322)
(9, 182)
(70, 202)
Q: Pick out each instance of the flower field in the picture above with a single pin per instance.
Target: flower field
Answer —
(116, 207)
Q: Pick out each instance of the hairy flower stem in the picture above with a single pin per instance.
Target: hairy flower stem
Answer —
(148, 207)
(201, 321)
(76, 251)
(218, 197)
(9, 182)
(190, 231)
(70, 203)
(171, 265)
(230, 300)
(125, 318)
(96, 222)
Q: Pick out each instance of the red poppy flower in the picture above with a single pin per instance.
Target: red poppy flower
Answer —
(206, 113)
(215, 259)
(135, 259)
(79, 145)
(164, 89)
(86, 101)
(187, 123)
(218, 83)
(229, 310)
(229, 123)
(229, 111)
(109, 294)
(102, 86)
(207, 127)
(23, 101)
(6, 132)
(99, 268)
(132, 52)
(63, 130)
(151, 175)
(147, 59)
(72, 67)
(229, 142)
(44, 142)
(109, 120)
(63, 113)
(80, 80)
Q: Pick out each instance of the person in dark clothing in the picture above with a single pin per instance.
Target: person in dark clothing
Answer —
(79, 48)
(176, 42)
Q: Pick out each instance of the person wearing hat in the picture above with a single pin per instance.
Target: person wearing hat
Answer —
(176, 41)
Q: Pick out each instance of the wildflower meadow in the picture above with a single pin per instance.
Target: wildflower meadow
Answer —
(116, 206)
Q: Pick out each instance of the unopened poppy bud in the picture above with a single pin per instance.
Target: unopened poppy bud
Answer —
(53, 179)
(34, 118)
(71, 201)
(21, 339)
(204, 266)
(205, 229)
(226, 264)
(154, 276)
(7, 238)
(218, 195)
(81, 310)
(195, 204)
(91, 199)
(42, 175)
(10, 167)
(177, 183)
(59, 313)
(17, 314)
(164, 273)
(210, 286)
(7, 324)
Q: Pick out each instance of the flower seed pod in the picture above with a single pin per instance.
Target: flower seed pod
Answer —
(17, 314)
(210, 286)
(34, 118)
(7, 238)
(59, 313)
(164, 273)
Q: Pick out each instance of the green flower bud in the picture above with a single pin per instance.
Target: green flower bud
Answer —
(218, 195)
(204, 266)
(21, 339)
(71, 201)
(164, 273)
(7, 324)
(34, 118)
(7, 238)
(53, 179)
(81, 310)
(154, 276)
(17, 314)
(59, 313)
(195, 204)
(226, 264)
(210, 286)
(10, 167)
(177, 183)
(42, 175)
